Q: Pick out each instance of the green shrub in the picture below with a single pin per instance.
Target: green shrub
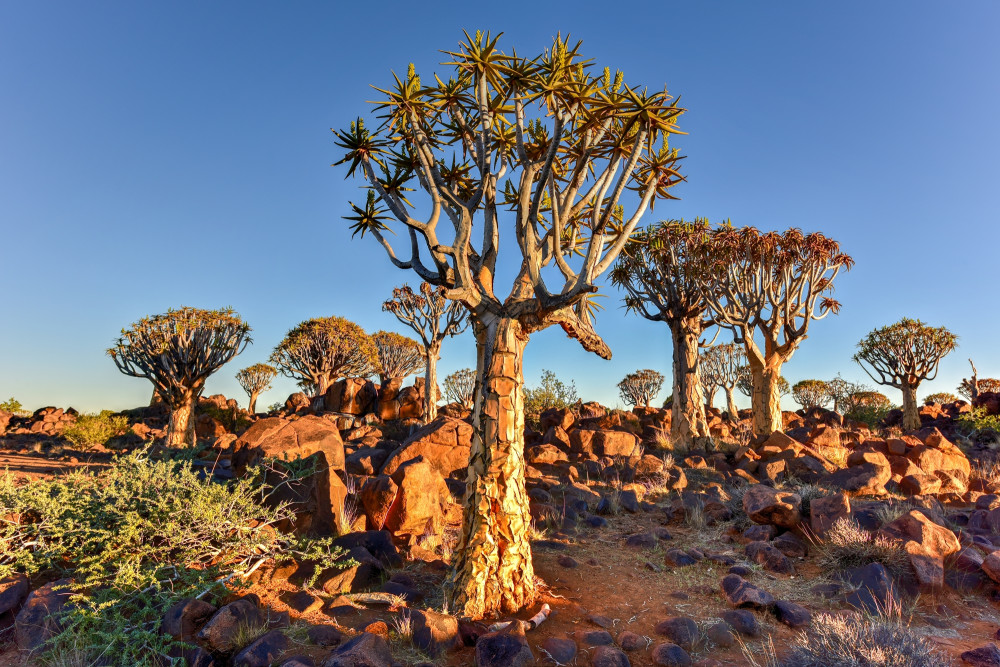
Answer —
(12, 405)
(234, 420)
(135, 538)
(976, 422)
(853, 641)
(91, 430)
(553, 393)
(871, 415)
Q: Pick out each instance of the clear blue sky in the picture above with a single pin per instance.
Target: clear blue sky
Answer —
(164, 154)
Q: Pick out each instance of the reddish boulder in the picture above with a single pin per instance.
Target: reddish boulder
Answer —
(444, 444)
(766, 505)
(351, 396)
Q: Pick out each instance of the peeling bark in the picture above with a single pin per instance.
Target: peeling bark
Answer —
(766, 398)
(911, 414)
(430, 382)
(493, 570)
(688, 426)
(180, 429)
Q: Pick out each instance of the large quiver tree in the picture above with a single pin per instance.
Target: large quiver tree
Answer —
(177, 352)
(766, 289)
(434, 318)
(902, 355)
(255, 380)
(468, 142)
(324, 349)
(662, 276)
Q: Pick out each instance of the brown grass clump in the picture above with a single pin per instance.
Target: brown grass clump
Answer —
(848, 545)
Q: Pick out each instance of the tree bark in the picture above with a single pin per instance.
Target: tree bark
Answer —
(253, 402)
(180, 429)
(766, 398)
(911, 414)
(322, 384)
(430, 382)
(688, 426)
(734, 413)
(493, 571)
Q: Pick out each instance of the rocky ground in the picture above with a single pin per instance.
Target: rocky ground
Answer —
(646, 555)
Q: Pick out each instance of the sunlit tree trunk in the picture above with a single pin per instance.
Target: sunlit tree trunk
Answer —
(322, 384)
(688, 426)
(734, 413)
(180, 430)
(430, 382)
(911, 415)
(253, 402)
(766, 398)
(493, 572)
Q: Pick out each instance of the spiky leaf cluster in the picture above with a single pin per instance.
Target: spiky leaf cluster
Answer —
(547, 138)
(178, 350)
(904, 354)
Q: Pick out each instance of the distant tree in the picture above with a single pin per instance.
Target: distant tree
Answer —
(865, 398)
(434, 318)
(177, 352)
(11, 405)
(641, 387)
(308, 387)
(811, 393)
(398, 356)
(562, 148)
(766, 289)
(552, 393)
(724, 366)
(324, 349)
(941, 398)
(970, 388)
(902, 355)
(662, 275)
(838, 389)
(460, 387)
(255, 380)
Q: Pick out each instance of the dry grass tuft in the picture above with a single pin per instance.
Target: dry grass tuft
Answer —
(847, 545)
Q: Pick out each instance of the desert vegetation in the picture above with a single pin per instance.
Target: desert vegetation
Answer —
(494, 521)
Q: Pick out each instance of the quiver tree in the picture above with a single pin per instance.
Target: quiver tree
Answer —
(838, 390)
(724, 366)
(460, 387)
(902, 355)
(970, 388)
(467, 141)
(434, 318)
(324, 349)
(177, 352)
(255, 380)
(641, 387)
(662, 276)
(766, 289)
(745, 384)
(941, 398)
(398, 356)
(811, 393)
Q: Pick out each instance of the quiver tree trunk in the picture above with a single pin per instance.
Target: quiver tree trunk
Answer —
(493, 571)
(430, 383)
(322, 384)
(911, 414)
(688, 426)
(252, 408)
(765, 400)
(180, 429)
(734, 413)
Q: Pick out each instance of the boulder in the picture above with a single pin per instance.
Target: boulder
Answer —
(364, 650)
(741, 593)
(351, 396)
(39, 618)
(444, 444)
(826, 511)
(766, 505)
(421, 503)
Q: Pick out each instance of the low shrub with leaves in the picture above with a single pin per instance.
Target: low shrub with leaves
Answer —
(553, 393)
(91, 430)
(13, 406)
(978, 422)
(848, 545)
(135, 538)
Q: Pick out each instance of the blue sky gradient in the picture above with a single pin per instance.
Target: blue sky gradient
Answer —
(154, 155)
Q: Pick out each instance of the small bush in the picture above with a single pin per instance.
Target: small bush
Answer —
(848, 545)
(976, 422)
(870, 415)
(233, 419)
(856, 641)
(135, 538)
(13, 406)
(91, 430)
(553, 393)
